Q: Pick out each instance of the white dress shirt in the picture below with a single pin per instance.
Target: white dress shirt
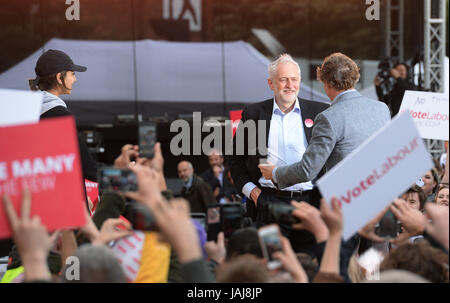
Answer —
(286, 145)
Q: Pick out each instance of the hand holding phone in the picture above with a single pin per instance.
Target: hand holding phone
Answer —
(269, 238)
(117, 180)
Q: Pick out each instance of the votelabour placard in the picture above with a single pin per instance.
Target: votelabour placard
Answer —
(429, 112)
(373, 175)
(44, 157)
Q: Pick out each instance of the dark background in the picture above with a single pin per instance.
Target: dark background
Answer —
(306, 28)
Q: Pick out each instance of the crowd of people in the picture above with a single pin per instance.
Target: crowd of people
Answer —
(175, 247)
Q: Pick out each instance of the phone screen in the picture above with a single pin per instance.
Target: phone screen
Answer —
(271, 242)
(231, 219)
(120, 180)
(147, 139)
(213, 221)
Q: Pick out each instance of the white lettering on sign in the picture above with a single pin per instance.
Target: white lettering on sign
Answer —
(48, 165)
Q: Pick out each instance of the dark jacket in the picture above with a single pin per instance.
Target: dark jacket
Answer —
(395, 97)
(245, 168)
(227, 190)
(89, 165)
(199, 195)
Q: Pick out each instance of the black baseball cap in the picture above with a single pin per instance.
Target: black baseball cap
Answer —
(54, 61)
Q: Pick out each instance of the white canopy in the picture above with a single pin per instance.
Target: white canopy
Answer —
(165, 71)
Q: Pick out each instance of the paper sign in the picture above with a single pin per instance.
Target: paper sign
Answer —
(19, 107)
(92, 193)
(44, 157)
(235, 117)
(377, 172)
(430, 113)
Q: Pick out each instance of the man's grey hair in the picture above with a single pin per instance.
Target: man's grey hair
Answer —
(283, 58)
(98, 264)
(189, 164)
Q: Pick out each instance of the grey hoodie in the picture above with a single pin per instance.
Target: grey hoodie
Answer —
(50, 101)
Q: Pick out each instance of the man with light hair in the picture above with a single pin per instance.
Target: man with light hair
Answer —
(338, 131)
(288, 124)
(195, 190)
(350, 120)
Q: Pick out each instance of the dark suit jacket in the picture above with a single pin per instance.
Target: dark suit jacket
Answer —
(244, 168)
(226, 190)
(199, 195)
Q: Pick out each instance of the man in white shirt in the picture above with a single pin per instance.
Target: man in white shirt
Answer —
(288, 122)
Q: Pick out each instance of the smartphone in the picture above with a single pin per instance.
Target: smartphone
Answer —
(200, 218)
(269, 239)
(117, 180)
(388, 227)
(231, 218)
(147, 139)
(213, 222)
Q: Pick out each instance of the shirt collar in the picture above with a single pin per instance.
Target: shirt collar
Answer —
(277, 110)
(344, 92)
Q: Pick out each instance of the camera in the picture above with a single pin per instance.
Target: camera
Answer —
(281, 213)
(384, 74)
(388, 227)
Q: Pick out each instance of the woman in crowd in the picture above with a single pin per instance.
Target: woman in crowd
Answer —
(431, 181)
(55, 76)
(442, 195)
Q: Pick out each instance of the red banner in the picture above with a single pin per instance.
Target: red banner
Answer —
(44, 158)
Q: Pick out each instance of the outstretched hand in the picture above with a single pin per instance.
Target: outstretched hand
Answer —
(216, 250)
(310, 220)
(290, 262)
(128, 151)
(31, 238)
(413, 221)
(332, 216)
(111, 231)
(368, 231)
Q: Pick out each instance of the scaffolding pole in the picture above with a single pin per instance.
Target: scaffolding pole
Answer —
(394, 30)
(434, 55)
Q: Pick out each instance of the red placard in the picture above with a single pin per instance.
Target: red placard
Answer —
(235, 116)
(92, 193)
(43, 157)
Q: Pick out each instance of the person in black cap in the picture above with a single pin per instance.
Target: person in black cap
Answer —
(55, 76)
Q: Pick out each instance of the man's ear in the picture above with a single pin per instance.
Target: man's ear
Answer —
(59, 78)
(270, 83)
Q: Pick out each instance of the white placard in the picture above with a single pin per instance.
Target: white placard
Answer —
(429, 111)
(19, 107)
(377, 172)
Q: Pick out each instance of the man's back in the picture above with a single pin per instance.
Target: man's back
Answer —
(338, 131)
(353, 118)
